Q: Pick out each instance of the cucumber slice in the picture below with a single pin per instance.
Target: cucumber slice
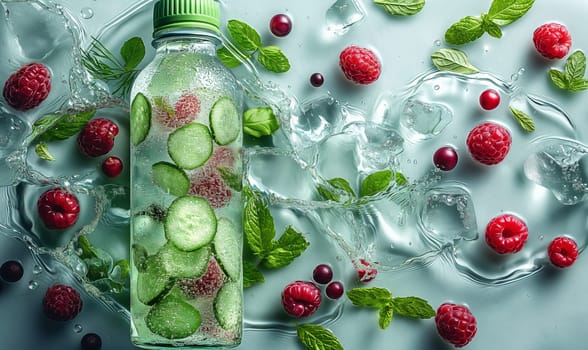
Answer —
(140, 118)
(224, 121)
(228, 248)
(190, 223)
(170, 178)
(228, 306)
(190, 146)
(178, 263)
(153, 281)
(173, 318)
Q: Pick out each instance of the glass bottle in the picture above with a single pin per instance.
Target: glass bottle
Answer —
(186, 146)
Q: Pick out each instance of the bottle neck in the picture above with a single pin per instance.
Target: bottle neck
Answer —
(187, 42)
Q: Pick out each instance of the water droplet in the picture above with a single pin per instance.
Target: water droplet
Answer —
(33, 285)
(414, 162)
(78, 328)
(541, 237)
(37, 269)
(436, 87)
(87, 13)
(437, 42)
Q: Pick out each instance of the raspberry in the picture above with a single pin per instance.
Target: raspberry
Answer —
(222, 157)
(359, 65)
(28, 87)
(489, 143)
(112, 166)
(185, 110)
(301, 299)
(206, 285)
(455, 324)
(365, 271)
(506, 234)
(209, 184)
(97, 137)
(562, 251)
(552, 40)
(58, 209)
(62, 303)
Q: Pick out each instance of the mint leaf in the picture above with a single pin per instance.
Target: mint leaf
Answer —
(491, 27)
(401, 7)
(124, 267)
(575, 66)
(290, 246)
(385, 315)
(132, 52)
(245, 37)
(43, 151)
(369, 297)
(503, 12)
(273, 59)
(43, 124)
(227, 58)
(412, 307)
(465, 30)
(338, 183)
(258, 224)
(315, 337)
(260, 121)
(559, 79)
(453, 60)
(67, 126)
(376, 182)
(234, 180)
(400, 179)
(251, 275)
(86, 248)
(579, 85)
(524, 120)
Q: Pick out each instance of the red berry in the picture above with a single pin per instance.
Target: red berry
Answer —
(489, 143)
(335, 290)
(489, 99)
(552, 40)
(62, 303)
(185, 110)
(360, 65)
(455, 324)
(222, 157)
(280, 25)
(506, 234)
(562, 251)
(445, 158)
(206, 285)
(322, 274)
(112, 166)
(28, 87)
(58, 209)
(91, 341)
(365, 271)
(317, 79)
(301, 299)
(209, 184)
(97, 137)
(11, 271)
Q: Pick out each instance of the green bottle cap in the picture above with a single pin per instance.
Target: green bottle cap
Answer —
(185, 14)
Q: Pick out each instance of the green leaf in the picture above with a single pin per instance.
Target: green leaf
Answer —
(385, 315)
(231, 178)
(400, 179)
(43, 124)
(315, 337)
(559, 79)
(86, 248)
(273, 59)
(491, 27)
(524, 120)
(251, 275)
(62, 127)
(258, 224)
(503, 12)
(453, 60)
(575, 67)
(43, 151)
(579, 85)
(260, 121)
(132, 52)
(376, 182)
(412, 307)
(290, 246)
(245, 37)
(125, 268)
(465, 30)
(369, 297)
(401, 7)
(327, 194)
(227, 58)
(341, 184)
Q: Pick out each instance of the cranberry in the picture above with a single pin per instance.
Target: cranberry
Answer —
(112, 166)
(11, 271)
(322, 274)
(280, 25)
(91, 341)
(489, 99)
(317, 79)
(335, 290)
(445, 158)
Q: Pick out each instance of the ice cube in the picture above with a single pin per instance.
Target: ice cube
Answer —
(561, 166)
(343, 14)
(320, 118)
(422, 120)
(378, 145)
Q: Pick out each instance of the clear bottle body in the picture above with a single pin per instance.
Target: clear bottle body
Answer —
(186, 211)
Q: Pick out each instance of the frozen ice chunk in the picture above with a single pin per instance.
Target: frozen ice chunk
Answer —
(561, 166)
(343, 14)
(446, 214)
(320, 118)
(423, 120)
(378, 145)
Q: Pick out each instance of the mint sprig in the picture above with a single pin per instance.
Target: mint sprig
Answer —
(501, 13)
(260, 121)
(316, 337)
(371, 185)
(524, 120)
(572, 78)
(388, 306)
(376, 182)
(248, 40)
(101, 271)
(401, 7)
(453, 60)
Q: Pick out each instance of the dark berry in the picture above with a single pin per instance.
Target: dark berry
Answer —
(280, 25)
(91, 341)
(322, 274)
(489, 99)
(112, 166)
(445, 158)
(11, 271)
(335, 290)
(317, 79)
